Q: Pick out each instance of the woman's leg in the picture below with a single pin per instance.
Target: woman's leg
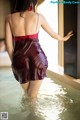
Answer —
(25, 87)
(33, 89)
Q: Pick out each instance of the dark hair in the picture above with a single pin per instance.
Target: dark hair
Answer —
(22, 5)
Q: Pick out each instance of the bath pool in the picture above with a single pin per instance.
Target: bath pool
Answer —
(56, 100)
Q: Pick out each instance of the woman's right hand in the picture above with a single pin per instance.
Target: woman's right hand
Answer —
(70, 34)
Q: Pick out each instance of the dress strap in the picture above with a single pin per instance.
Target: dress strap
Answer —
(37, 23)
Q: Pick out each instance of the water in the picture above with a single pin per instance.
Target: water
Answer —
(56, 100)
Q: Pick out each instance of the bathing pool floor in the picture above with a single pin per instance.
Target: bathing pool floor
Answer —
(56, 100)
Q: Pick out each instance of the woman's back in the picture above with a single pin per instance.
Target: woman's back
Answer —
(26, 23)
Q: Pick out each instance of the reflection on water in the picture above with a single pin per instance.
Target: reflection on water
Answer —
(56, 101)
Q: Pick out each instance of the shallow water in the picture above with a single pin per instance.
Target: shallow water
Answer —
(56, 100)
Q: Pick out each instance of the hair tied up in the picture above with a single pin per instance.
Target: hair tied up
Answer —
(31, 6)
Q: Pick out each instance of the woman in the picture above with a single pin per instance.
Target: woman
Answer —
(29, 62)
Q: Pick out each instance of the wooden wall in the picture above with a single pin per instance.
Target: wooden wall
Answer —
(4, 10)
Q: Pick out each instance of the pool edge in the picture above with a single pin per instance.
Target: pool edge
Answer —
(65, 78)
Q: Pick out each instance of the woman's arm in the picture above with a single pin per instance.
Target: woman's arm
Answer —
(53, 34)
(8, 36)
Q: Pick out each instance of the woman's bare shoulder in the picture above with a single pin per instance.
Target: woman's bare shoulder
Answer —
(12, 15)
(8, 17)
(41, 16)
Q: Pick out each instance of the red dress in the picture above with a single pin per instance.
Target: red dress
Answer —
(29, 61)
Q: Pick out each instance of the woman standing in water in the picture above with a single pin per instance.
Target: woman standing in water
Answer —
(29, 62)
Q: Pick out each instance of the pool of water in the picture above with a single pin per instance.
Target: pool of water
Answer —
(56, 100)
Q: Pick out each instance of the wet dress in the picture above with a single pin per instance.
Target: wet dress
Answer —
(29, 61)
